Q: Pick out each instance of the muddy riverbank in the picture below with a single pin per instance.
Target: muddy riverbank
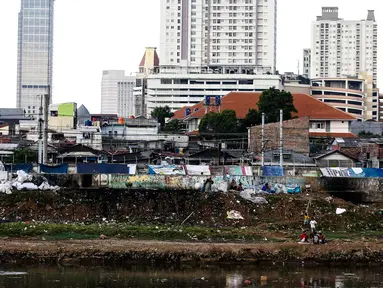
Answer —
(125, 251)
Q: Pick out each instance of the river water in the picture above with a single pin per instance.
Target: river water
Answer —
(228, 276)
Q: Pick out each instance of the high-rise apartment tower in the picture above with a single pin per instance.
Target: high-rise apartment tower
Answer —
(342, 48)
(217, 33)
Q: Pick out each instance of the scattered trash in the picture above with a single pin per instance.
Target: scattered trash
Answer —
(250, 196)
(263, 280)
(103, 237)
(23, 181)
(6, 187)
(234, 215)
(22, 177)
(340, 211)
(329, 199)
(247, 282)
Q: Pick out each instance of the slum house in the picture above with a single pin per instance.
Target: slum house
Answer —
(216, 157)
(79, 154)
(337, 158)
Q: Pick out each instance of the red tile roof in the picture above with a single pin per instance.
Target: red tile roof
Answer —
(241, 102)
(156, 60)
(332, 135)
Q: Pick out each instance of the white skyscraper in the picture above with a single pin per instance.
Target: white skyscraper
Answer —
(211, 33)
(35, 54)
(117, 93)
(342, 48)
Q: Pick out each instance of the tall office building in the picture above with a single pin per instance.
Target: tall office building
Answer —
(35, 53)
(117, 93)
(217, 33)
(342, 48)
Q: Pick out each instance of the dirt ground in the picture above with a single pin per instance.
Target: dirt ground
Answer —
(112, 250)
(282, 213)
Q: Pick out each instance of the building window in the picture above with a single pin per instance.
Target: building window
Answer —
(318, 125)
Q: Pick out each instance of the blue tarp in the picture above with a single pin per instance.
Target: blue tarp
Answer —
(59, 169)
(27, 167)
(85, 168)
(273, 171)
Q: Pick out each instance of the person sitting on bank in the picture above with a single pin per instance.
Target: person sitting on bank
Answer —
(233, 185)
(267, 188)
(304, 237)
(316, 238)
(239, 187)
(322, 238)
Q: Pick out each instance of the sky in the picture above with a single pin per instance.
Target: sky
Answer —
(95, 35)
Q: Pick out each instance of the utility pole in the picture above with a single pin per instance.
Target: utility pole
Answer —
(281, 139)
(45, 140)
(263, 140)
(40, 127)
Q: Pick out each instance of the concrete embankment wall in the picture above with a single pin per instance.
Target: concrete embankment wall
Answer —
(353, 189)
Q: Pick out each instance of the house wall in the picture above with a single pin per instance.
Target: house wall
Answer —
(128, 131)
(295, 136)
(4, 131)
(193, 124)
(339, 127)
(61, 122)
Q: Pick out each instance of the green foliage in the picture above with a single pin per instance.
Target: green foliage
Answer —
(125, 231)
(25, 155)
(174, 126)
(303, 80)
(219, 123)
(252, 118)
(160, 113)
(366, 134)
(273, 100)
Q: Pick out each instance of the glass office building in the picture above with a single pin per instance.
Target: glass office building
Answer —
(35, 51)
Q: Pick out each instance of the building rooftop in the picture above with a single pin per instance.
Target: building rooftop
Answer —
(241, 102)
(148, 56)
(82, 111)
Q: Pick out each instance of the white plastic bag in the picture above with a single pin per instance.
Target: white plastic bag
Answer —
(250, 195)
(23, 177)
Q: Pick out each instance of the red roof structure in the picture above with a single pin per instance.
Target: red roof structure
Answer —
(156, 59)
(241, 102)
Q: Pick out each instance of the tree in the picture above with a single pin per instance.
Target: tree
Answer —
(219, 123)
(25, 155)
(273, 100)
(160, 113)
(174, 126)
(252, 118)
(303, 80)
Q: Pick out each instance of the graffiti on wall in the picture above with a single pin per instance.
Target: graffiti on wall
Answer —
(277, 184)
(138, 181)
(172, 182)
(165, 182)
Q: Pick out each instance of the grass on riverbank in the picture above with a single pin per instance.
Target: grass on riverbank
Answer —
(173, 233)
(124, 231)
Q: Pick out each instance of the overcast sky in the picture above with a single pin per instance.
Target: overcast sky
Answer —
(95, 35)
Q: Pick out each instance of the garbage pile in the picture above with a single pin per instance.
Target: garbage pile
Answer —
(23, 181)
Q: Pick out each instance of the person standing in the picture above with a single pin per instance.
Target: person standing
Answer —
(306, 219)
(313, 225)
(208, 183)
